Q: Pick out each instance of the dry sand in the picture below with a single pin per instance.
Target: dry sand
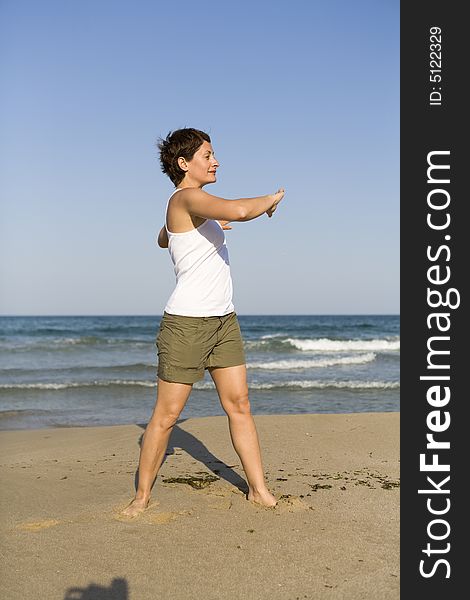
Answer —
(334, 533)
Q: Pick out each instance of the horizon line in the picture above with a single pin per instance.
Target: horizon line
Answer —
(365, 314)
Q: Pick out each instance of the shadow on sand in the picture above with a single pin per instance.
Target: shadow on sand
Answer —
(118, 590)
(195, 448)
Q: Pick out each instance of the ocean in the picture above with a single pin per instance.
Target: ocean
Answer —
(101, 370)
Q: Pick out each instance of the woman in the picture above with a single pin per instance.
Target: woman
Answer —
(199, 329)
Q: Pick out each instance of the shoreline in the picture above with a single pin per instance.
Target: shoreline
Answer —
(333, 534)
(11, 413)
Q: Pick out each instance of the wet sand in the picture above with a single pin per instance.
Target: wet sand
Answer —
(334, 533)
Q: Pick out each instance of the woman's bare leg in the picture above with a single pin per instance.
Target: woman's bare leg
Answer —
(232, 389)
(171, 398)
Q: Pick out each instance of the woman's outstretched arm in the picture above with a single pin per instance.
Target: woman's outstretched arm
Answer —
(200, 203)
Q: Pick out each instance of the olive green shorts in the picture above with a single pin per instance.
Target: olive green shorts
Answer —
(189, 345)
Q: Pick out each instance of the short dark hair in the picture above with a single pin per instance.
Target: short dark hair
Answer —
(182, 142)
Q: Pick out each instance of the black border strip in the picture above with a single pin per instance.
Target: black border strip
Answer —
(433, 120)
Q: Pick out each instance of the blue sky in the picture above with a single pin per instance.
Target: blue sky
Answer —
(300, 94)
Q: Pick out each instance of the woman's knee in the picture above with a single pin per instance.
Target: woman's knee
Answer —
(238, 404)
(165, 420)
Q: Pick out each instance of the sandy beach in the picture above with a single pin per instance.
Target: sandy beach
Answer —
(334, 533)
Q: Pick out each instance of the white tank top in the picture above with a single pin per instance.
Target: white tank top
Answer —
(202, 269)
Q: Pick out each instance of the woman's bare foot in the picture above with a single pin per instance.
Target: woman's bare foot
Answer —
(137, 506)
(265, 498)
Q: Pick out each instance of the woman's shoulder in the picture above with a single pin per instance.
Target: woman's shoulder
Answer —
(180, 194)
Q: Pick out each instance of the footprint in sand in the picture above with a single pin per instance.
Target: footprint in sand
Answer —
(37, 525)
(166, 517)
(147, 516)
(220, 498)
(290, 503)
(221, 503)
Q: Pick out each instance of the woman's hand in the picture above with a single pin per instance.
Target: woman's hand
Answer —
(277, 197)
(163, 238)
(224, 225)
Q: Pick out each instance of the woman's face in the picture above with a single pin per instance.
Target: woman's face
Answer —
(201, 169)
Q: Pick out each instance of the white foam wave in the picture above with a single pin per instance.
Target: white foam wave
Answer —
(327, 345)
(313, 363)
(73, 384)
(68, 341)
(269, 336)
(310, 384)
(206, 385)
